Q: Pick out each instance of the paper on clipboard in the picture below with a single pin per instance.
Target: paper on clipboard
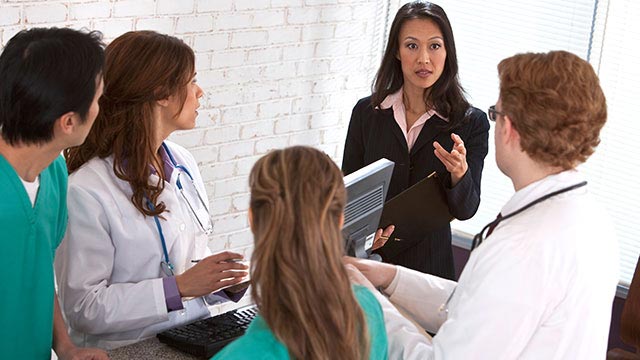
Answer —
(416, 211)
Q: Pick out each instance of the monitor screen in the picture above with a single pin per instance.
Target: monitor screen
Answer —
(366, 191)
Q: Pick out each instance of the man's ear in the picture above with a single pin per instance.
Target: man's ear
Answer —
(67, 122)
(510, 132)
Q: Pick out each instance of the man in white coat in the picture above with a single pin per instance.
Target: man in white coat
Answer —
(541, 284)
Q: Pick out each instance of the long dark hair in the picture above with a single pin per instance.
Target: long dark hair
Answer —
(446, 95)
(297, 199)
(140, 68)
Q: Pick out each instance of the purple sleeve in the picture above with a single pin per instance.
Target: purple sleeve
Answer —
(224, 296)
(228, 295)
(171, 294)
(235, 297)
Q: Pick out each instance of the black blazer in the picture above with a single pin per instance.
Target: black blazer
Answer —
(375, 134)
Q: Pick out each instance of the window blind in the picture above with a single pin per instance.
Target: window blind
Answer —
(612, 170)
(604, 32)
(487, 32)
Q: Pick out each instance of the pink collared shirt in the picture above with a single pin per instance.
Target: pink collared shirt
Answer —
(399, 113)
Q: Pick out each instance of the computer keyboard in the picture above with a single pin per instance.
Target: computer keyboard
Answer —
(206, 337)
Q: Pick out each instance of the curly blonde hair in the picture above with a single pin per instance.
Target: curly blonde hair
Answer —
(555, 102)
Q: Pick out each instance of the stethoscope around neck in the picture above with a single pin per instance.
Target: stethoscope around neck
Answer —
(479, 237)
(166, 265)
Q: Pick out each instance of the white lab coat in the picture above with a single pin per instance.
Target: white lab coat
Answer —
(108, 266)
(540, 287)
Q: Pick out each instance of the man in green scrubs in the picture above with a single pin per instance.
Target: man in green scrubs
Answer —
(50, 82)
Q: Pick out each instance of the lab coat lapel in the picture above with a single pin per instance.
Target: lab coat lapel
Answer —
(170, 224)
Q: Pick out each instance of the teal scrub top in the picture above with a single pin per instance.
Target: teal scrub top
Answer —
(260, 343)
(29, 237)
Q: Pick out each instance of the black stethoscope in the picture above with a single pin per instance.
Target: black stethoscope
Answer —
(166, 265)
(479, 237)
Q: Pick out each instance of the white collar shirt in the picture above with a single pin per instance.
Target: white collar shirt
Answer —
(395, 102)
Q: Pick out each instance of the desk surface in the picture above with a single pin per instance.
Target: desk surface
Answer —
(148, 349)
(152, 348)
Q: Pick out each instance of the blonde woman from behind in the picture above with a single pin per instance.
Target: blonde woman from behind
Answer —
(308, 308)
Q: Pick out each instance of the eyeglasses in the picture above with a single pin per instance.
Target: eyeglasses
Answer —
(493, 113)
(194, 200)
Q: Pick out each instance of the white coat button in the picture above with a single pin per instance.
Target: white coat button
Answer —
(183, 226)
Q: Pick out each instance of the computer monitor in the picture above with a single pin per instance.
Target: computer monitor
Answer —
(366, 192)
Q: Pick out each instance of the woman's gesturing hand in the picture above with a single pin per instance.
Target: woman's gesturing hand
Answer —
(212, 274)
(455, 161)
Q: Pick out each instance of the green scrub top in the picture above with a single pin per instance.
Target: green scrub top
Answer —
(260, 343)
(29, 236)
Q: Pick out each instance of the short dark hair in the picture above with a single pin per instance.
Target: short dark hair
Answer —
(446, 94)
(45, 73)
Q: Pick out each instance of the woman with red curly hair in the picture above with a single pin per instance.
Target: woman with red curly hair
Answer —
(532, 289)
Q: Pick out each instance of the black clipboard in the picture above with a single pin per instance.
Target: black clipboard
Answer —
(415, 212)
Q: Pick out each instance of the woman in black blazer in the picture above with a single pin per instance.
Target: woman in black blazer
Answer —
(416, 112)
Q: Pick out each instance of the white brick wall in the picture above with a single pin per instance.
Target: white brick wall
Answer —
(10, 15)
(276, 73)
